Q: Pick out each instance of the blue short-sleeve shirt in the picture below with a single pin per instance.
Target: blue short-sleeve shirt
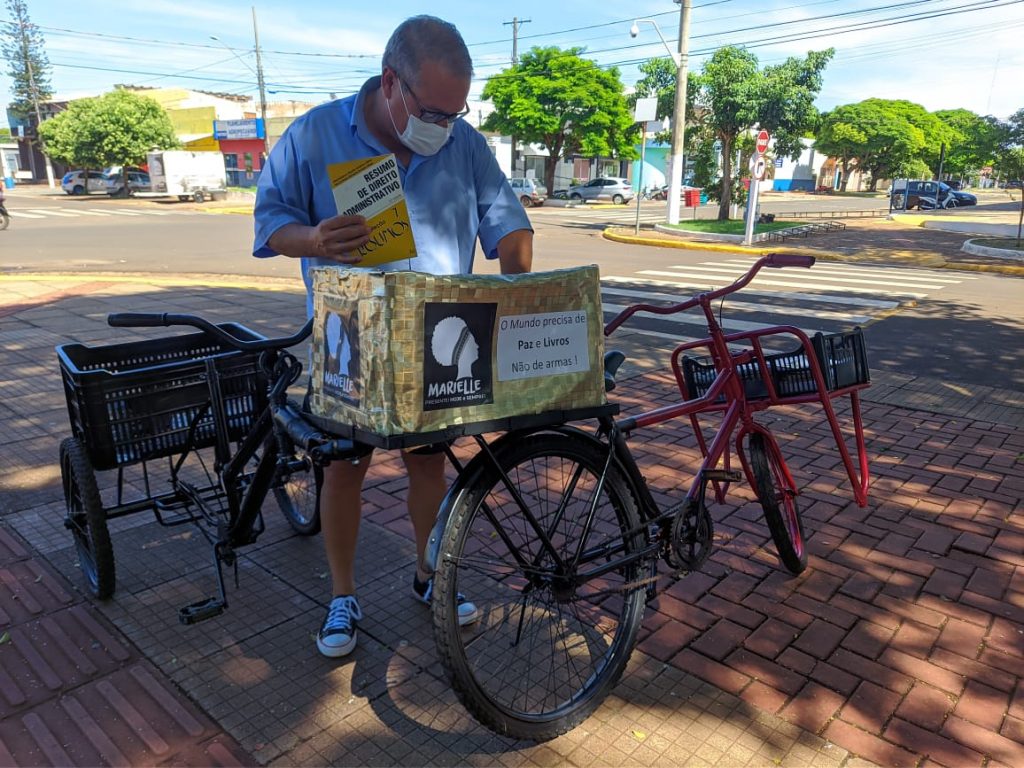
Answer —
(454, 197)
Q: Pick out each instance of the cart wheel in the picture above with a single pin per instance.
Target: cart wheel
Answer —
(298, 489)
(86, 518)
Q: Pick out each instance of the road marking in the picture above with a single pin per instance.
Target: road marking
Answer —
(697, 288)
(738, 304)
(51, 212)
(91, 212)
(118, 212)
(728, 323)
(845, 269)
(24, 215)
(738, 271)
(138, 212)
(721, 281)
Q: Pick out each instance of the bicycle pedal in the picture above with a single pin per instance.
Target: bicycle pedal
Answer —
(202, 610)
(723, 475)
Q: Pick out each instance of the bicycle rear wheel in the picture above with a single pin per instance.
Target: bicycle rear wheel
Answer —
(547, 649)
(779, 503)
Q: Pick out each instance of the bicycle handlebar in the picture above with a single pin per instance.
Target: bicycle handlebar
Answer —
(157, 320)
(771, 260)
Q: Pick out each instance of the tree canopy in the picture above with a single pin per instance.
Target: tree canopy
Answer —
(733, 96)
(118, 128)
(564, 102)
(23, 48)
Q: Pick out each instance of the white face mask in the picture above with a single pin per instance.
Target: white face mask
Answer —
(422, 138)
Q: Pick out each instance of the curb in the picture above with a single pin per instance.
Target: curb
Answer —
(898, 257)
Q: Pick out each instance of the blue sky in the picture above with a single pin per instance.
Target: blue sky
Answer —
(970, 57)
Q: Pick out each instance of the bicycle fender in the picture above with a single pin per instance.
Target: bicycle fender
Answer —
(468, 476)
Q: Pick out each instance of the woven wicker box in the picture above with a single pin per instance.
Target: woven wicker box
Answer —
(406, 352)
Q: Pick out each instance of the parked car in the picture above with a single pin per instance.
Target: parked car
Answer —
(529, 191)
(138, 181)
(929, 195)
(76, 183)
(606, 189)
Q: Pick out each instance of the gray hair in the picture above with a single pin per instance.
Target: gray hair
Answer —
(427, 38)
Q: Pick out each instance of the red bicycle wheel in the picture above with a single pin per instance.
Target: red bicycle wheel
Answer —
(778, 502)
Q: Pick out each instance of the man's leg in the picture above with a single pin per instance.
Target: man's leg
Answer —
(340, 512)
(427, 488)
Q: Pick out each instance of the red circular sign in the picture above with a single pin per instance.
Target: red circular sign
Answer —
(762, 141)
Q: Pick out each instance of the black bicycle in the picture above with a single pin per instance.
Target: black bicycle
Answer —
(212, 404)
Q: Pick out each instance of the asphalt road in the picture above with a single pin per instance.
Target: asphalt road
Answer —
(966, 328)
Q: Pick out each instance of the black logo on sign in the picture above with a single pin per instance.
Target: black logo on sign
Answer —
(457, 355)
(341, 355)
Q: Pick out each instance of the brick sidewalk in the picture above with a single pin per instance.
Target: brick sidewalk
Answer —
(901, 643)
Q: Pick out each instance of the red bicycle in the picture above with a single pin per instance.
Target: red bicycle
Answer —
(555, 534)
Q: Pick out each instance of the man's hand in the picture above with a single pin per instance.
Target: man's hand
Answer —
(339, 239)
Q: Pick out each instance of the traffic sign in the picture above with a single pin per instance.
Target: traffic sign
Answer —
(762, 141)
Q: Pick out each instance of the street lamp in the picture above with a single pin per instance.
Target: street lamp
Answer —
(680, 58)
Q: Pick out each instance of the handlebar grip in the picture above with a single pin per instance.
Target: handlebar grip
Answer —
(137, 319)
(789, 260)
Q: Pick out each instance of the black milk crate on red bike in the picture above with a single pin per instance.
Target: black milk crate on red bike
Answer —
(142, 400)
(842, 358)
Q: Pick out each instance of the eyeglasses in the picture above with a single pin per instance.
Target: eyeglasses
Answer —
(430, 115)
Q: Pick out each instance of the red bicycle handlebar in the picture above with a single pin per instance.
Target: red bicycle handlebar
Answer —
(771, 260)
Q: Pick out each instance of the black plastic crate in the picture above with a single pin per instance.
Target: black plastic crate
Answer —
(841, 356)
(134, 402)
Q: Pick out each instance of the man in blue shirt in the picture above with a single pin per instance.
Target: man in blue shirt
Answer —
(456, 194)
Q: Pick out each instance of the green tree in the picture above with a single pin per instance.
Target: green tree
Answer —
(733, 96)
(564, 102)
(659, 81)
(118, 128)
(23, 49)
(841, 135)
(976, 141)
(1011, 166)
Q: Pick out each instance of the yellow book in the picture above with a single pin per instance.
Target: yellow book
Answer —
(371, 187)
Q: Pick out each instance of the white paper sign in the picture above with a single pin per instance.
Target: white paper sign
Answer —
(547, 344)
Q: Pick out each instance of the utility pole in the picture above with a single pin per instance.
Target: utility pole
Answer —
(679, 114)
(515, 23)
(259, 79)
(35, 103)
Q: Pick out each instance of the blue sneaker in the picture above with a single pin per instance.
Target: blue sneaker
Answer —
(423, 590)
(337, 635)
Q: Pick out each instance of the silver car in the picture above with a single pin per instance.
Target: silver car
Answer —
(605, 189)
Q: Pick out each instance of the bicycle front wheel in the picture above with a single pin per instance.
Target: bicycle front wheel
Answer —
(297, 488)
(554, 634)
(779, 503)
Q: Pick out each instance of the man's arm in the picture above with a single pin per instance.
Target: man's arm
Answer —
(336, 238)
(515, 252)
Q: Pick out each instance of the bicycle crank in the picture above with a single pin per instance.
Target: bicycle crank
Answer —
(689, 543)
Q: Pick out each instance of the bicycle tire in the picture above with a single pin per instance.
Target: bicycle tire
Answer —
(581, 639)
(5, 221)
(86, 519)
(297, 489)
(781, 511)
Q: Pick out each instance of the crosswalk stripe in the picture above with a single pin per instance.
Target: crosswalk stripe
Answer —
(883, 272)
(761, 281)
(741, 305)
(24, 215)
(814, 278)
(91, 212)
(139, 211)
(51, 212)
(830, 298)
(119, 212)
(730, 324)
